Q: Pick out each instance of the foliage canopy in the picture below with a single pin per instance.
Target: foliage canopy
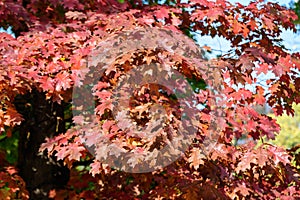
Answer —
(49, 53)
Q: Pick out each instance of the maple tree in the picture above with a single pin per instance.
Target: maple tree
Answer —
(44, 69)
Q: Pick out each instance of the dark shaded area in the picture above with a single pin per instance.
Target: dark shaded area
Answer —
(42, 118)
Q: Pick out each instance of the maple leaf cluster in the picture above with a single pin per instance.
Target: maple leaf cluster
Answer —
(11, 184)
(51, 55)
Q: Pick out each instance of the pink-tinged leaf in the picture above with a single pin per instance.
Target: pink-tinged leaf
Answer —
(162, 13)
(79, 119)
(196, 158)
(205, 117)
(103, 95)
(262, 157)
(259, 97)
(91, 137)
(62, 153)
(107, 125)
(251, 125)
(105, 104)
(33, 74)
(240, 28)
(12, 117)
(63, 81)
(268, 22)
(285, 63)
(47, 83)
(241, 94)
(75, 151)
(175, 21)
(48, 145)
(96, 166)
(100, 85)
(263, 68)
(78, 76)
(75, 15)
(278, 155)
(252, 24)
(245, 163)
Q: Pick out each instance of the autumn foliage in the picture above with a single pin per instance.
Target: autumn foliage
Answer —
(50, 54)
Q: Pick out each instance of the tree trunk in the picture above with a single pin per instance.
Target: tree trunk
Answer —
(42, 119)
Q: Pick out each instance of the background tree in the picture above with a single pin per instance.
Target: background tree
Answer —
(295, 5)
(289, 135)
(40, 67)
